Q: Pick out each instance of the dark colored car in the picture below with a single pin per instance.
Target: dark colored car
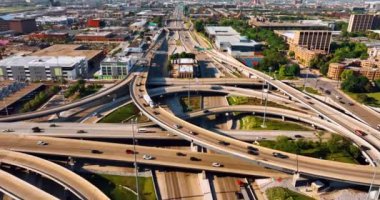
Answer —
(36, 129)
(96, 151)
(298, 136)
(252, 148)
(224, 143)
(279, 155)
(180, 154)
(81, 131)
(252, 152)
(195, 159)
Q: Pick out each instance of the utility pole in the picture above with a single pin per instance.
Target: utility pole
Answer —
(375, 162)
(133, 121)
(265, 108)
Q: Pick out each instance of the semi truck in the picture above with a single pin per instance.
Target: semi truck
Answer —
(149, 101)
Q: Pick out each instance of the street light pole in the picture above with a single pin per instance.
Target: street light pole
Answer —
(265, 109)
(133, 121)
(375, 162)
(188, 96)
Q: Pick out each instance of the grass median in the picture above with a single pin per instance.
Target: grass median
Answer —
(124, 114)
(280, 193)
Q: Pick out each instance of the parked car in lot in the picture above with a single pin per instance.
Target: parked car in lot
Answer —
(360, 133)
(216, 164)
(147, 157)
(279, 155)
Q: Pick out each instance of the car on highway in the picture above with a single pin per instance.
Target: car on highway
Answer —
(206, 111)
(378, 126)
(216, 164)
(253, 152)
(364, 148)
(252, 148)
(177, 126)
(180, 154)
(338, 97)
(298, 136)
(327, 92)
(156, 112)
(53, 125)
(224, 143)
(128, 151)
(147, 157)
(193, 133)
(306, 97)
(195, 159)
(81, 131)
(279, 155)
(41, 143)
(94, 151)
(36, 129)
(8, 130)
(360, 133)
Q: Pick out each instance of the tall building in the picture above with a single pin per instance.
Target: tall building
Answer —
(360, 22)
(313, 40)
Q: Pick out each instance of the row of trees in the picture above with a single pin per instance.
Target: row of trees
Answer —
(39, 99)
(339, 53)
(358, 83)
(336, 144)
(81, 88)
(182, 55)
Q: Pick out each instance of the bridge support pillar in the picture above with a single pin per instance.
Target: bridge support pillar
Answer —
(374, 193)
(296, 176)
(283, 118)
(57, 114)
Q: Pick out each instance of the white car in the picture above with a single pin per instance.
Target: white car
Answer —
(8, 130)
(147, 157)
(41, 143)
(216, 164)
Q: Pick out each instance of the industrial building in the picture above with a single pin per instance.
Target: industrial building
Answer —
(237, 45)
(116, 68)
(35, 68)
(213, 31)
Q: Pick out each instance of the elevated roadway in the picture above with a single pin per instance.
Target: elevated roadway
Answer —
(211, 140)
(69, 180)
(19, 189)
(204, 81)
(117, 153)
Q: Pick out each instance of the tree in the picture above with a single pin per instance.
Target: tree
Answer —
(199, 26)
(292, 54)
(346, 73)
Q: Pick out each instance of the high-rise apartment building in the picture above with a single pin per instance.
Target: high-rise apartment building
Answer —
(360, 22)
(313, 40)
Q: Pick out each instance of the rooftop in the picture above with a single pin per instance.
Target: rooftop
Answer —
(41, 61)
(93, 33)
(236, 40)
(221, 30)
(71, 50)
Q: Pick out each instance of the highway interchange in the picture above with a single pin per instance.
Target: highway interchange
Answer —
(16, 146)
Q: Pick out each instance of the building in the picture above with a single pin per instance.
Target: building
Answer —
(184, 68)
(369, 72)
(360, 22)
(23, 26)
(93, 57)
(335, 70)
(54, 20)
(50, 35)
(303, 55)
(116, 68)
(237, 45)
(35, 68)
(136, 46)
(260, 22)
(96, 23)
(313, 39)
(213, 31)
(105, 36)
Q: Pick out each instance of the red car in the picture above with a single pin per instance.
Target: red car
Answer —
(360, 133)
(128, 151)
